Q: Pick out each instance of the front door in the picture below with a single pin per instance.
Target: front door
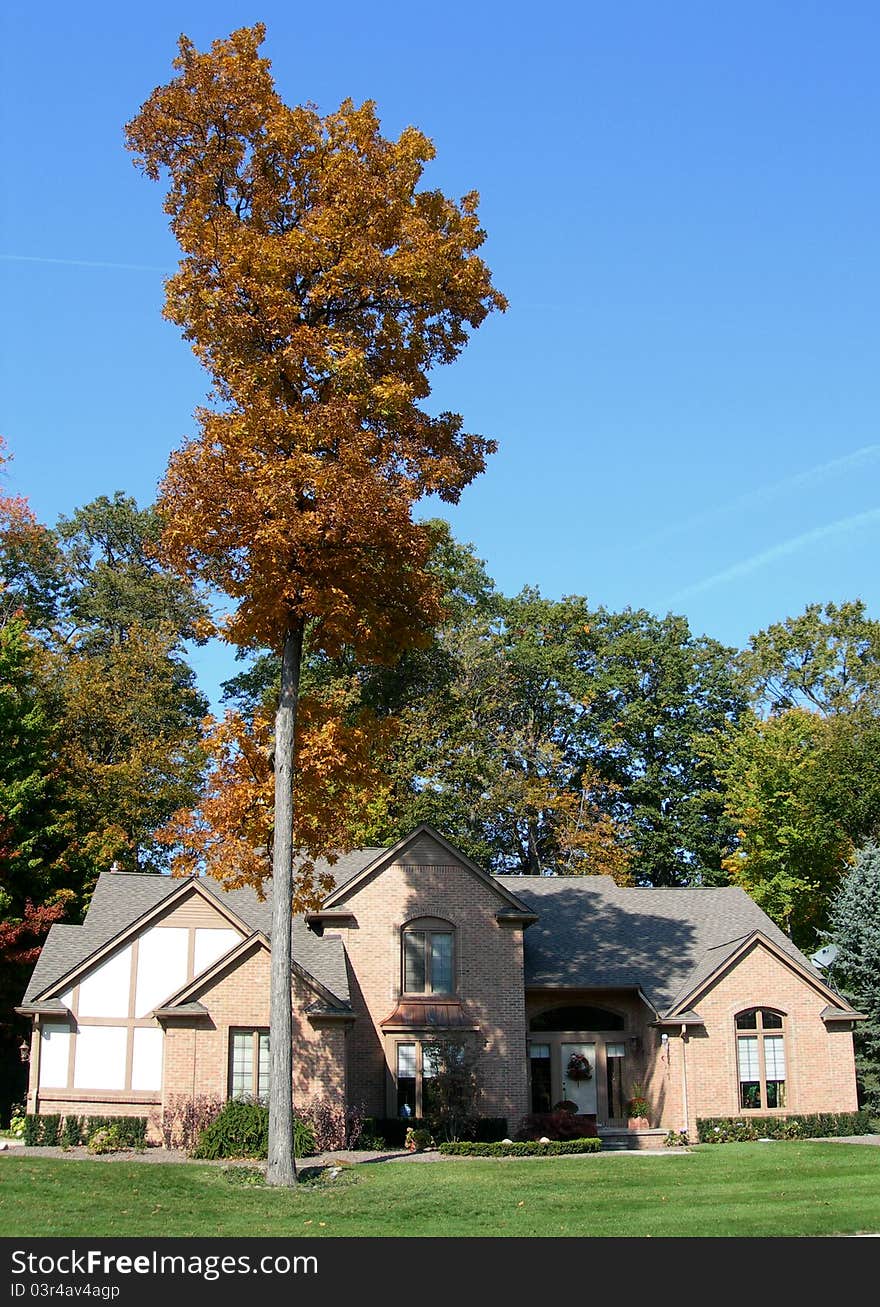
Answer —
(580, 1091)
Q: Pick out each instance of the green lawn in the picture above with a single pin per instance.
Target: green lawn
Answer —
(734, 1189)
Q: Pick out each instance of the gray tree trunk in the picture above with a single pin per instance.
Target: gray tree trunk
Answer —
(281, 1167)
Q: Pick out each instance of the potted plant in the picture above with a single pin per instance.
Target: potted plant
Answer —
(639, 1110)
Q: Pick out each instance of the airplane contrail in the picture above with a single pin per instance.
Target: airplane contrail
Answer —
(844, 526)
(813, 476)
(81, 263)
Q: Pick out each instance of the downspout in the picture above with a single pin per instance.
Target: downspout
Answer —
(684, 1077)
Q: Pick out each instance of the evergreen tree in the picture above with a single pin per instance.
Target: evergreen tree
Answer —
(855, 929)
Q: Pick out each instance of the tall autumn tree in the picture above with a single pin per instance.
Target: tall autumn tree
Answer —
(318, 285)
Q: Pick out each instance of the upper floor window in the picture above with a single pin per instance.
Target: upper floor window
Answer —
(760, 1058)
(428, 957)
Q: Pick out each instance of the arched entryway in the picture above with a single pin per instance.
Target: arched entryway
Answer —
(580, 1053)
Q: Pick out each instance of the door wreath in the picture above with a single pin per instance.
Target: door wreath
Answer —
(579, 1067)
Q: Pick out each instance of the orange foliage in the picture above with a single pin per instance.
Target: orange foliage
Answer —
(231, 830)
(318, 285)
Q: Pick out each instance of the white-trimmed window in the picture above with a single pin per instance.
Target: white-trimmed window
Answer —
(428, 957)
(248, 1063)
(760, 1059)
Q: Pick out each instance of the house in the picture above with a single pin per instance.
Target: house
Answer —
(694, 994)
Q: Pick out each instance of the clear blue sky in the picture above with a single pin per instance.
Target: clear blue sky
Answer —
(682, 205)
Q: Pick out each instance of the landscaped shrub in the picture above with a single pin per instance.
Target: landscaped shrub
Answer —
(417, 1140)
(17, 1120)
(523, 1148)
(557, 1125)
(676, 1139)
(304, 1143)
(50, 1131)
(32, 1131)
(391, 1130)
(490, 1129)
(335, 1125)
(817, 1125)
(184, 1117)
(131, 1130)
(107, 1139)
(370, 1143)
(241, 1129)
(71, 1134)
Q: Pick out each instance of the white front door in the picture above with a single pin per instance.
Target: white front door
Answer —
(582, 1092)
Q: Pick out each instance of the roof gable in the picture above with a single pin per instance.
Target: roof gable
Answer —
(197, 986)
(423, 839)
(178, 892)
(727, 956)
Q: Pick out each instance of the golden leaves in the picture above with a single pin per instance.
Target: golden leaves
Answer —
(230, 833)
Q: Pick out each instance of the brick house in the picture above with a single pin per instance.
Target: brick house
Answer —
(692, 993)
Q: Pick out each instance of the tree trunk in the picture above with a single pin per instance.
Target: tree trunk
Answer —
(281, 1167)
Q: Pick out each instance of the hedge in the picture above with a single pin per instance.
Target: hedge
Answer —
(466, 1148)
(818, 1125)
(392, 1129)
(48, 1131)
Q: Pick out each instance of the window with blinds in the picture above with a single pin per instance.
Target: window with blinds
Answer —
(428, 952)
(761, 1059)
(249, 1064)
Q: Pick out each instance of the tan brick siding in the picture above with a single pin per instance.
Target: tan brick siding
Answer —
(820, 1066)
(489, 975)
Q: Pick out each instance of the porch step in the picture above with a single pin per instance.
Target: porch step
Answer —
(618, 1139)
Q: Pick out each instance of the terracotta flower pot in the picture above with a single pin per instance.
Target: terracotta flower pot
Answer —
(638, 1123)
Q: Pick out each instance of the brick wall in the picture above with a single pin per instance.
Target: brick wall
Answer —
(197, 1055)
(820, 1067)
(489, 966)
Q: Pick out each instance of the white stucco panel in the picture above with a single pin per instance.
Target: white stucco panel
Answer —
(54, 1050)
(211, 945)
(146, 1062)
(100, 1057)
(162, 965)
(105, 991)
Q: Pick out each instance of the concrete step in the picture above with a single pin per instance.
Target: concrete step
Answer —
(619, 1139)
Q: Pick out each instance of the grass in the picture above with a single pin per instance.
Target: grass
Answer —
(779, 1189)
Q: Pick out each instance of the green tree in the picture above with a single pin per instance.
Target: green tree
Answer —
(794, 841)
(27, 846)
(854, 926)
(827, 659)
(127, 746)
(656, 691)
(114, 581)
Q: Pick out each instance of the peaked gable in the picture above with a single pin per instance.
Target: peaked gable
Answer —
(425, 847)
(710, 971)
(95, 944)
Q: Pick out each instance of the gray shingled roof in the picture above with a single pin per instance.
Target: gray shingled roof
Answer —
(121, 899)
(592, 933)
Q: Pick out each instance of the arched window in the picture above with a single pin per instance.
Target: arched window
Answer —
(428, 956)
(577, 1018)
(760, 1058)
